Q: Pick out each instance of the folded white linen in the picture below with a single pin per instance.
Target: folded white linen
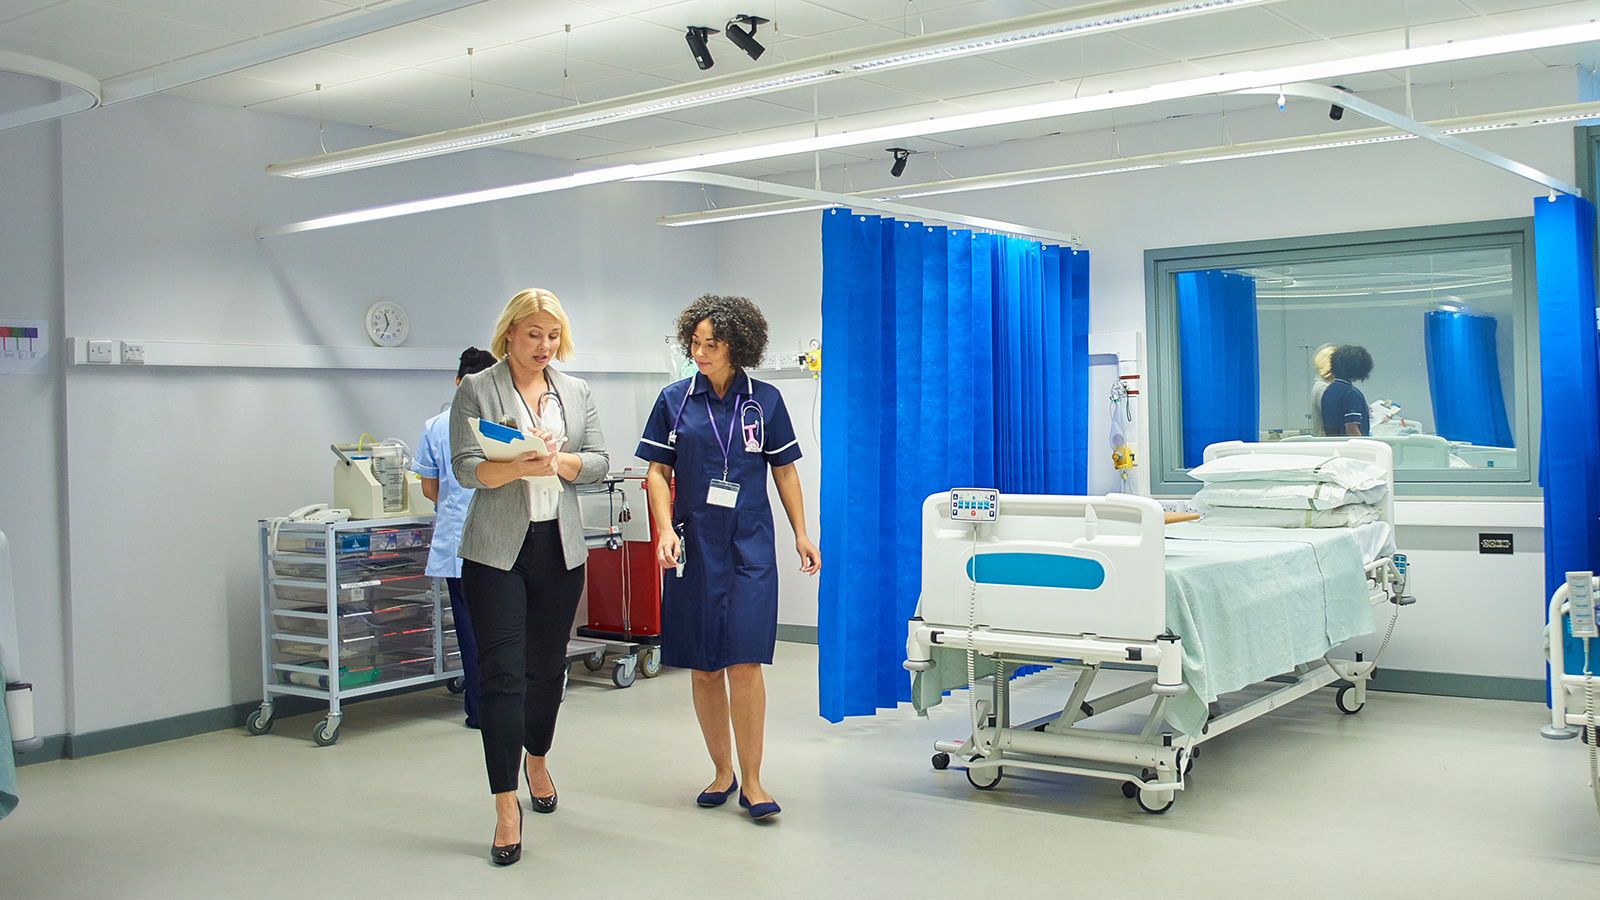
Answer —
(1342, 517)
(1274, 495)
(1289, 468)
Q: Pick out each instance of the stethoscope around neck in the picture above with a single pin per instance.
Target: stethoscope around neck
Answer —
(754, 434)
(562, 407)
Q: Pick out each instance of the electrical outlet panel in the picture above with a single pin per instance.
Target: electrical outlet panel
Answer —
(133, 353)
(102, 352)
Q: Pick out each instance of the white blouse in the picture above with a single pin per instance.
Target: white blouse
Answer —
(544, 493)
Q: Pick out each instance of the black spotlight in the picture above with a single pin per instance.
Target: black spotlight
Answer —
(696, 36)
(900, 156)
(1336, 112)
(746, 40)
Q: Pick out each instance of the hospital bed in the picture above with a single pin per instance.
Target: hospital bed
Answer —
(1091, 583)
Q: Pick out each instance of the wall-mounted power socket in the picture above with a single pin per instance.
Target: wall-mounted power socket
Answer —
(133, 353)
(102, 352)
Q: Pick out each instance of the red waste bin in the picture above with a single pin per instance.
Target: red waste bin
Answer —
(625, 584)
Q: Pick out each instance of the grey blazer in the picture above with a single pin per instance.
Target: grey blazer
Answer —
(497, 519)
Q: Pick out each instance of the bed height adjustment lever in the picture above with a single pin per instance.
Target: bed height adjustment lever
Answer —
(1169, 668)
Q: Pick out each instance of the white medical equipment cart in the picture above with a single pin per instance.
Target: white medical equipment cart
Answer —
(348, 610)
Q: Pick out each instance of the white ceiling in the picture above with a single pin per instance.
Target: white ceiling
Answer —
(418, 78)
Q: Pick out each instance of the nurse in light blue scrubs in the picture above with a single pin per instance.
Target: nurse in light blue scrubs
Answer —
(450, 500)
(710, 441)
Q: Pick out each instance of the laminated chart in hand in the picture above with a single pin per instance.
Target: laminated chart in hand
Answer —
(502, 444)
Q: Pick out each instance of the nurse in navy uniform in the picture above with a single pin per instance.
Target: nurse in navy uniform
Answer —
(718, 433)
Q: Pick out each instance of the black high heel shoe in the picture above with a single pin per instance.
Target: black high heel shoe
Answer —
(541, 804)
(505, 856)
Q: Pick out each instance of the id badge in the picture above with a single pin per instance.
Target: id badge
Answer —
(723, 493)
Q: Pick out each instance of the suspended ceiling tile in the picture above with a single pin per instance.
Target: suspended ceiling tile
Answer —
(317, 67)
(504, 21)
(336, 106)
(15, 9)
(1133, 79)
(828, 42)
(412, 44)
(259, 18)
(235, 90)
(852, 96)
(98, 63)
(79, 23)
(652, 132)
(751, 170)
(1271, 57)
(1072, 58)
(619, 86)
(1546, 16)
(1224, 32)
(1348, 17)
(631, 43)
(420, 87)
(570, 146)
(432, 123)
(684, 71)
(1459, 30)
(531, 69)
(741, 115)
(953, 78)
(884, 10)
(980, 13)
(1584, 9)
(524, 105)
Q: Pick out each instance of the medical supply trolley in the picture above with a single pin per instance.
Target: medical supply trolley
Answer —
(348, 610)
(606, 517)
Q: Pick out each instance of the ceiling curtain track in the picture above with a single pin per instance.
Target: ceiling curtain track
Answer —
(1219, 361)
(1569, 418)
(1464, 378)
(956, 359)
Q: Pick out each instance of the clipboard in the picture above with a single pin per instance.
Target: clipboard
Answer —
(502, 444)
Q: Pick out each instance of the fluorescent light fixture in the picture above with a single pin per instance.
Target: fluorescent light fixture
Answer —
(1195, 87)
(711, 217)
(984, 38)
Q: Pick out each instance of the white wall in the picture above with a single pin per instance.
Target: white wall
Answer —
(171, 468)
(32, 513)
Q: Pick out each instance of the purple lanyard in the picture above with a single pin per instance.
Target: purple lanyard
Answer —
(728, 444)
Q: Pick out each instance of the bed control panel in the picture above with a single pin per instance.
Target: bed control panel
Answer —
(974, 504)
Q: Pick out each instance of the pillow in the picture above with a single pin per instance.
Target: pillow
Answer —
(1270, 495)
(1288, 468)
(1346, 516)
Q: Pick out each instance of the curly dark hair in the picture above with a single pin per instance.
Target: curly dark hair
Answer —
(1351, 363)
(735, 321)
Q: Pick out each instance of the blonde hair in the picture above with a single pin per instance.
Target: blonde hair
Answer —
(1322, 361)
(527, 303)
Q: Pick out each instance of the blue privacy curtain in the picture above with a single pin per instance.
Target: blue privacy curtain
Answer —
(955, 359)
(1464, 379)
(1569, 446)
(1219, 365)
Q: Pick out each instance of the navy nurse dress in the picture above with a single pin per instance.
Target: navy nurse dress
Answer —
(724, 610)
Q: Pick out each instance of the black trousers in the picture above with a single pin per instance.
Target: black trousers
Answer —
(522, 619)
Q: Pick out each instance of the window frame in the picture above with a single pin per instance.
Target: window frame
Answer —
(1169, 478)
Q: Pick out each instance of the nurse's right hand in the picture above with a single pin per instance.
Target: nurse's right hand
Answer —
(667, 547)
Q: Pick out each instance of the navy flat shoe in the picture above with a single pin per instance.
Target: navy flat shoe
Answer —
(709, 799)
(759, 811)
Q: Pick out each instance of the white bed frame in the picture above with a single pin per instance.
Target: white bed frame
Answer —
(1121, 622)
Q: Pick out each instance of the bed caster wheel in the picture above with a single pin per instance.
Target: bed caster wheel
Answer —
(941, 761)
(623, 673)
(595, 661)
(984, 779)
(1130, 790)
(1147, 774)
(1156, 802)
(650, 662)
(1345, 700)
(324, 733)
(258, 723)
(456, 685)
(1185, 762)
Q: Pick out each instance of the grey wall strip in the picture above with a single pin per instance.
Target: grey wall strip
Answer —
(797, 634)
(54, 748)
(1443, 684)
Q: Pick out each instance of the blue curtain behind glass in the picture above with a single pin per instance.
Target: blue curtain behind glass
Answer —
(1464, 379)
(1569, 457)
(1219, 363)
(954, 359)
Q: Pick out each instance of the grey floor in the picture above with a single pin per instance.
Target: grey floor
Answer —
(1414, 797)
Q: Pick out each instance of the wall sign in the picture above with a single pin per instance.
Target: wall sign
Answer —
(1494, 543)
(24, 346)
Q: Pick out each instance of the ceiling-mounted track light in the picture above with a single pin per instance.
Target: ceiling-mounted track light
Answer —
(900, 156)
(696, 36)
(1336, 112)
(746, 40)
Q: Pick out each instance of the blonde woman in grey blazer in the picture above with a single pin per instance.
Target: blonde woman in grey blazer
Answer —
(522, 546)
